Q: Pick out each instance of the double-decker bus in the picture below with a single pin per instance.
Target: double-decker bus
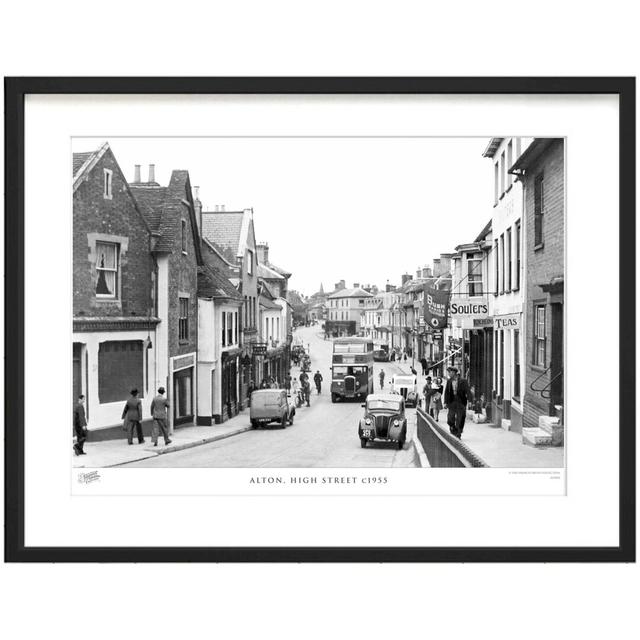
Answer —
(351, 368)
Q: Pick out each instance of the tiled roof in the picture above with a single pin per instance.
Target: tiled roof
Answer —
(294, 299)
(212, 284)
(268, 272)
(279, 270)
(224, 229)
(351, 293)
(79, 159)
(265, 303)
(151, 200)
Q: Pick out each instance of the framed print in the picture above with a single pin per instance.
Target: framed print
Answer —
(320, 319)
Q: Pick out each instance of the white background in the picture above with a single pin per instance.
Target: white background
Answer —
(363, 39)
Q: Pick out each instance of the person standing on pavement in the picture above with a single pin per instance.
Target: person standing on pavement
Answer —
(456, 395)
(318, 380)
(80, 426)
(159, 406)
(287, 383)
(424, 363)
(132, 416)
(381, 374)
(250, 389)
(436, 399)
(404, 355)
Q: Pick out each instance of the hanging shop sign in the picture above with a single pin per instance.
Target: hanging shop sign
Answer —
(436, 303)
(259, 348)
(468, 308)
(511, 321)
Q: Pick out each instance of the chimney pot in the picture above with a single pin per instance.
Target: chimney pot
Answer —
(136, 176)
(152, 173)
(196, 192)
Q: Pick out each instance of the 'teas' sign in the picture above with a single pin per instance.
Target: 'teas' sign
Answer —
(468, 308)
(512, 321)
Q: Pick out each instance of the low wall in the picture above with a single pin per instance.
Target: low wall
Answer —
(441, 448)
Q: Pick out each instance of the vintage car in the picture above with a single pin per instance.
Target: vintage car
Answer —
(271, 405)
(384, 420)
(407, 387)
(380, 355)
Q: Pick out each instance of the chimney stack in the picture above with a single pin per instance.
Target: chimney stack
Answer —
(136, 175)
(356, 285)
(263, 252)
(405, 278)
(197, 205)
(152, 173)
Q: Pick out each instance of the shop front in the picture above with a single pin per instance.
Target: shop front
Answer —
(183, 388)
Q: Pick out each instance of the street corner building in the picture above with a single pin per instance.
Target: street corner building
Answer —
(164, 295)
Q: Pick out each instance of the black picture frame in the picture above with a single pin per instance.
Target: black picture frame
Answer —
(15, 91)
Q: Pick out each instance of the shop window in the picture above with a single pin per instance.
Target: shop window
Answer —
(107, 268)
(516, 364)
(120, 369)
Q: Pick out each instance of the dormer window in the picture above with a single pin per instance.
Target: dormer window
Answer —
(108, 180)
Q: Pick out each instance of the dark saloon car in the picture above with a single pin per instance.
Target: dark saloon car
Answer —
(380, 355)
(384, 420)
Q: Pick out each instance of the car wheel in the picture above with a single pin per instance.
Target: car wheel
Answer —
(283, 422)
(333, 398)
(254, 424)
(400, 445)
(291, 418)
(363, 442)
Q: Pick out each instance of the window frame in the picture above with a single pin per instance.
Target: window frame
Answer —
(538, 211)
(183, 229)
(183, 320)
(518, 266)
(249, 262)
(538, 341)
(107, 185)
(115, 270)
(470, 257)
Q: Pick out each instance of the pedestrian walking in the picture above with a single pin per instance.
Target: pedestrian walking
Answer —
(132, 416)
(381, 378)
(287, 382)
(250, 389)
(404, 355)
(455, 400)
(424, 364)
(435, 405)
(306, 388)
(80, 426)
(159, 406)
(318, 380)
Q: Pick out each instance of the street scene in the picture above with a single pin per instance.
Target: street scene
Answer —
(193, 348)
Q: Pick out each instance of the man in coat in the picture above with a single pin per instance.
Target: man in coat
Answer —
(424, 363)
(159, 406)
(132, 416)
(456, 395)
(80, 426)
(317, 378)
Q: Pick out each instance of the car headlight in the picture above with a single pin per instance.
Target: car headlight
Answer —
(396, 422)
(367, 421)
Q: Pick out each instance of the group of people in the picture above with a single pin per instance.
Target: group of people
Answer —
(454, 396)
(131, 420)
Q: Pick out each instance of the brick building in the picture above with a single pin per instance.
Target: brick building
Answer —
(115, 310)
(541, 171)
(170, 213)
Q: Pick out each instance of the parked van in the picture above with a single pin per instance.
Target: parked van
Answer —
(271, 405)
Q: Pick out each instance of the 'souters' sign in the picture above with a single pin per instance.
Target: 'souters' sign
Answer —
(468, 308)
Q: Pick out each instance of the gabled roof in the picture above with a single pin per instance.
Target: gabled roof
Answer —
(268, 273)
(163, 208)
(212, 284)
(84, 162)
(266, 303)
(266, 290)
(484, 233)
(228, 231)
(351, 293)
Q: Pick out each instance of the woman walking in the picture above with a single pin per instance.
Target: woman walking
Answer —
(132, 416)
(435, 404)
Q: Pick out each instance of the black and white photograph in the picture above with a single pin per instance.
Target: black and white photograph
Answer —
(318, 301)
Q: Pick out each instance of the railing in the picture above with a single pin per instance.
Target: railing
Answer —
(441, 448)
(544, 391)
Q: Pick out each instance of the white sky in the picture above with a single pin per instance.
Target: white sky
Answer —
(360, 209)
